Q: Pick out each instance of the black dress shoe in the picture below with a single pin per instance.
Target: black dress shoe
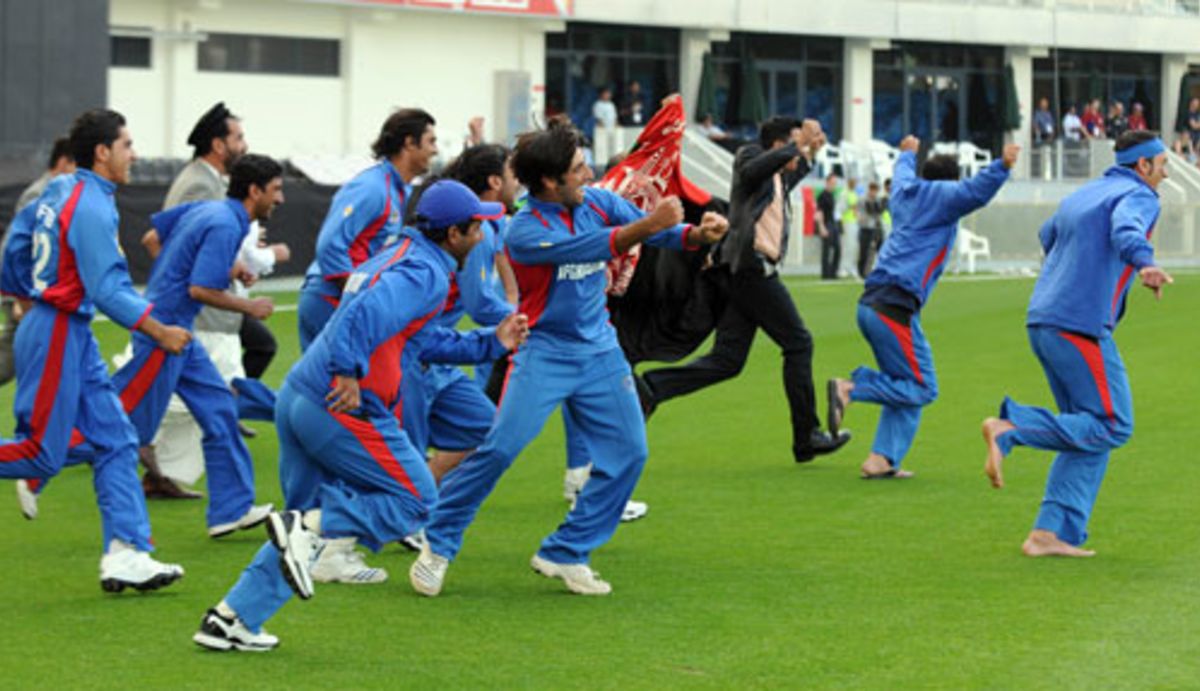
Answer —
(162, 487)
(821, 443)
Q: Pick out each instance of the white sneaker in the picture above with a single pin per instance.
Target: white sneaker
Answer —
(634, 510)
(339, 562)
(414, 542)
(218, 633)
(27, 499)
(126, 566)
(298, 549)
(428, 572)
(574, 481)
(579, 578)
(253, 517)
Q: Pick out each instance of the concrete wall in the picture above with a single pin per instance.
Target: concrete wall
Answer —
(390, 58)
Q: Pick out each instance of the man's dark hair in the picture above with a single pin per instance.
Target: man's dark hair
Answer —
(873, 186)
(61, 149)
(401, 126)
(1130, 139)
(214, 124)
(940, 167)
(476, 165)
(252, 169)
(777, 129)
(98, 126)
(546, 153)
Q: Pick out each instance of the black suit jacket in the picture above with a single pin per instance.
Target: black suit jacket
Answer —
(752, 191)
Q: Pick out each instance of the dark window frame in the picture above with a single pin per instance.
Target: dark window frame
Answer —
(262, 53)
(145, 45)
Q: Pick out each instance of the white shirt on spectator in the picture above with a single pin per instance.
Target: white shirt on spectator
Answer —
(605, 113)
(1072, 127)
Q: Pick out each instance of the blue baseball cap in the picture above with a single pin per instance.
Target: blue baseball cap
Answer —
(448, 203)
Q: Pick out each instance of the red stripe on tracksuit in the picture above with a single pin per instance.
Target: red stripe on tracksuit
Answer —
(1090, 350)
(396, 256)
(903, 334)
(384, 370)
(43, 402)
(377, 446)
(67, 292)
(136, 390)
(933, 265)
(360, 249)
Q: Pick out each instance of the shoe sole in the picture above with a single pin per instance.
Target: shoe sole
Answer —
(219, 644)
(290, 569)
(162, 580)
(833, 408)
(543, 568)
(231, 528)
(419, 585)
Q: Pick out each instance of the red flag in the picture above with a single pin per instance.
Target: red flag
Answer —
(651, 171)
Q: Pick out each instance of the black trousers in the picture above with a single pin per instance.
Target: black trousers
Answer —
(869, 241)
(831, 255)
(258, 347)
(756, 302)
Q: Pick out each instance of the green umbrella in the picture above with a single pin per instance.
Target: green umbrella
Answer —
(752, 105)
(1011, 119)
(706, 98)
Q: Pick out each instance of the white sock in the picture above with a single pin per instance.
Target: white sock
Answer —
(225, 610)
(312, 520)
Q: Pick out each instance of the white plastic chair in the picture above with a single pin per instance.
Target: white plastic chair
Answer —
(969, 248)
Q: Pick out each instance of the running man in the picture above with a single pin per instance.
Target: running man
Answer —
(926, 211)
(559, 244)
(64, 394)
(1095, 242)
(350, 473)
(200, 245)
(366, 214)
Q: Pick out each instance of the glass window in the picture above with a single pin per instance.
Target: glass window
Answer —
(821, 99)
(888, 106)
(269, 55)
(129, 51)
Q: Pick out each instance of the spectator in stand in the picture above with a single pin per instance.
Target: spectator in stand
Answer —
(870, 229)
(1137, 119)
(633, 108)
(1117, 122)
(711, 129)
(831, 229)
(1043, 123)
(1093, 120)
(604, 110)
(1072, 126)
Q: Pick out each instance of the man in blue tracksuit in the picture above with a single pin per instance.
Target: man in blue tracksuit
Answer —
(1095, 242)
(925, 211)
(349, 472)
(450, 412)
(366, 214)
(559, 244)
(200, 243)
(74, 265)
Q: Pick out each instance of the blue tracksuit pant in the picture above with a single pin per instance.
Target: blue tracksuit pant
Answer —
(442, 408)
(313, 310)
(146, 383)
(368, 480)
(1095, 416)
(62, 387)
(597, 390)
(904, 384)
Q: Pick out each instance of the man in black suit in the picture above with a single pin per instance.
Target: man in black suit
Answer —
(763, 176)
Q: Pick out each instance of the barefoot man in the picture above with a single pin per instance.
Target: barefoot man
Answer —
(926, 210)
(1096, 241)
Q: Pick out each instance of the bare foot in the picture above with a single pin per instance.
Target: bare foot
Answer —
(844, 387)
(992, 428)
(1043, 543)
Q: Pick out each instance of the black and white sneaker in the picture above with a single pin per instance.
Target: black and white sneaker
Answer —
(219, 633)
(298, 550)
(125, 566)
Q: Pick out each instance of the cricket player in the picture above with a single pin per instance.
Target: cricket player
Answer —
(559, 244)
(926, 209)
(200, 244)
(74, 266)
(349, 472)
(1095, 243)
(366, 214)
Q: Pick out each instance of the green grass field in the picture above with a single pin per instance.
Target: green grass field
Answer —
(749, 572)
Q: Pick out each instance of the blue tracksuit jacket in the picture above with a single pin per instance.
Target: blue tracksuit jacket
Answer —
(1094, 243)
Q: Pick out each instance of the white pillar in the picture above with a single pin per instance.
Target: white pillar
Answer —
(858, 88)
(693, 44)
(1021, 59)
(1174, 66)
